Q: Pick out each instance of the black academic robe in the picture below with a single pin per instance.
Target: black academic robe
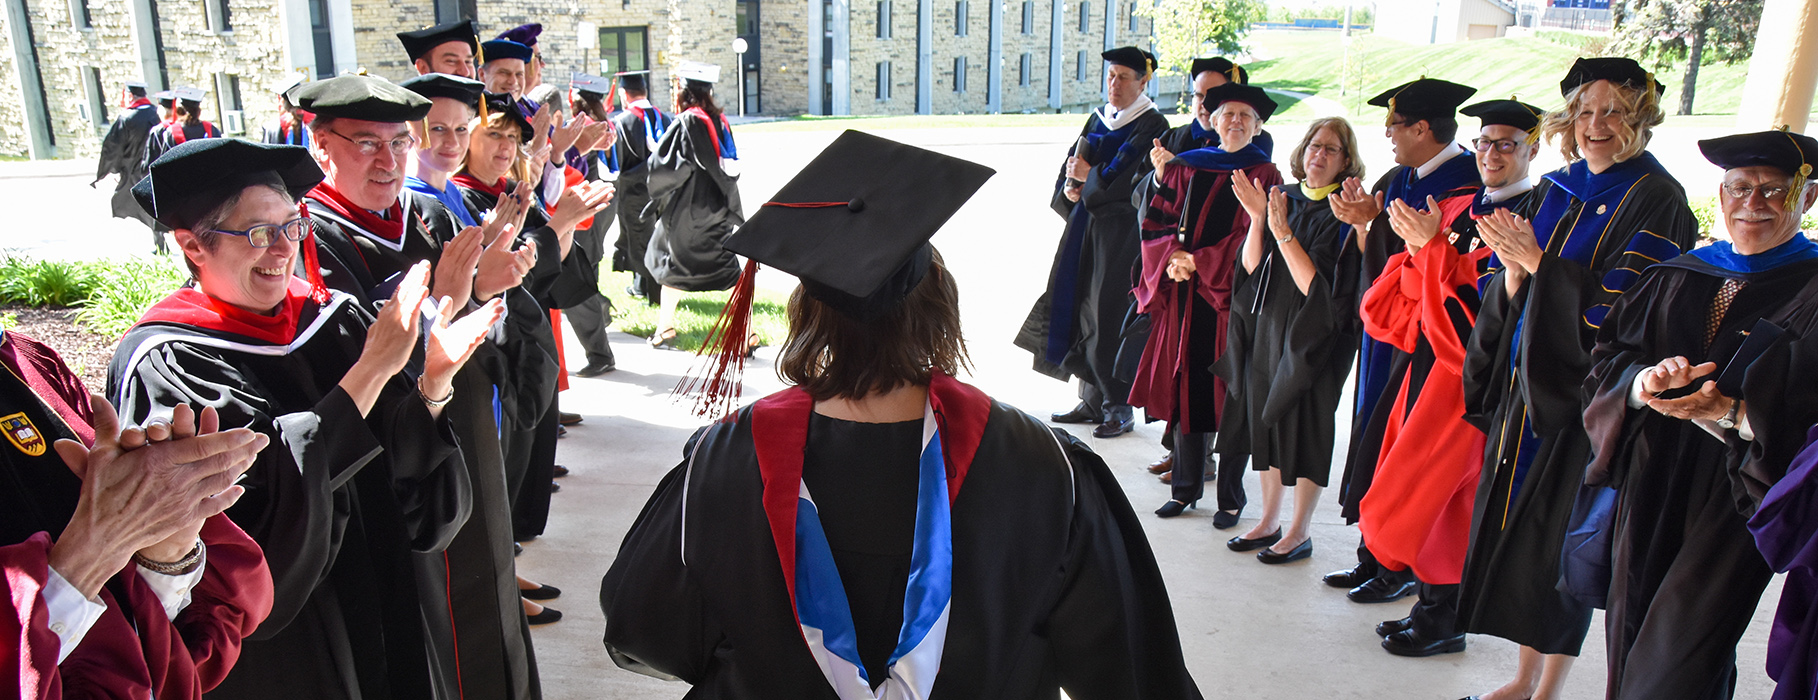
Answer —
(639, 132)
(696, 204)
(345, 507)
(1686, 576)
(487, 638)
(169, 135)
(1054, 584)
(123, 153)
(1074, 328)
(1287, 353)
(1524, 369)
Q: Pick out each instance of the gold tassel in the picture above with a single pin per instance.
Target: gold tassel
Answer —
(1237, 75)
(1796, 190)
(1390, 119)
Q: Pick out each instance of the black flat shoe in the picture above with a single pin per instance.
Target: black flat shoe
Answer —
(560, 471)
(1079, 414)
(1225, 520)
(591, 371)
(516, 549)
(1173, 508)
(1348, 578)
(1239, 544)
(543, 618)
(1299, 552)
(555, 487)
(1377, 590)
(1410, 643)
(545, 592)
(1392, 626)
(1113, 427)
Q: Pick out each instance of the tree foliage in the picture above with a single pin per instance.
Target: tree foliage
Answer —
(1692, 32)
(1188, 28)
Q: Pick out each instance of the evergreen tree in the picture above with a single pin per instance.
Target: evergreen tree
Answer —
(1663, 32)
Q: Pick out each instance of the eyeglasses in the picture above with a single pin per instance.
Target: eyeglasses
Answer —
(263, 235)
(1503, 146)
(1741, 191)
(1330, 151)
(398, 146)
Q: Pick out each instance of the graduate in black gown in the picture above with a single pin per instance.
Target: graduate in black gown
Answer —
(693, 180)
(641, 126)
(1587, 230)
(185, 124)
(1074, 328)
(1293, 333)
(123, 154)
(365, 482)
(882, 529)
(1422, 124)
(590, 96)
(1701, 397)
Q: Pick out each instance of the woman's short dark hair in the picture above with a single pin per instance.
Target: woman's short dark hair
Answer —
(833, 355)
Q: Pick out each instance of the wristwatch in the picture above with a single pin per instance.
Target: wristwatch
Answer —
(1728, 421)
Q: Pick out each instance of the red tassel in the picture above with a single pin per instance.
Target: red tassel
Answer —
(715, 384)
(312, 268)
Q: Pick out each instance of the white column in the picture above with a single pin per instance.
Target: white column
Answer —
(145, 41)
(1784, 68)
(817, 76)
(37, 114)
(341, 35)
(994, 60)
(842, 56)
(924, 57)
(1057, 46)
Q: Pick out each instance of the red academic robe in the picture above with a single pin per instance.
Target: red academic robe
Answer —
(1417, 513)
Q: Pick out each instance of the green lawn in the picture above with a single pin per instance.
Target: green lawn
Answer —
(695, 315)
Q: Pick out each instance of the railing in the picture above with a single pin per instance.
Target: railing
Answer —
(1581, 20)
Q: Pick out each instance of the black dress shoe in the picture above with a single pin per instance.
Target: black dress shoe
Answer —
(555, 487)
(1239, 544)
(516, 549)
(566, 418)
(1392, 626)
(595, 370)
(1225, 520)
(561, 432)
(1080, 414)
(1346, 579)
(1377, 590)
(545, 592)
(547, 616)
(1113, 428)
(1299, 552)
(560, 471)
(1173, 508)
(1410, 643)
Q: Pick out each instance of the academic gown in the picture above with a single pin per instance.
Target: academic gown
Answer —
(135, 649)
(123, 153)
(1417, 513)
(169, 135)
(1053, 584)
(1196, 211)
(1074, 328)
(696, 204)
(487, 641)
(1524, 370)
(641, 128)
(344, 507)
(1380, 370)
(1686, 575)
(1287, 354)
(1785, 531)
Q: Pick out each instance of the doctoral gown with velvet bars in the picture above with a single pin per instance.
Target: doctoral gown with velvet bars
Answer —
(1054, 584)
(1417, 512)
(134, 650)
(696, 204)
(1786, 532)
(345, 508)
(489, 641)
(1287, 353)
(1686, 576)
(1194, 211)
(1380, 369)
(1075, 325)
(1524, 371)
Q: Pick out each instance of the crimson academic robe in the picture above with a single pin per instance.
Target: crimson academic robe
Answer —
(1686, 576)
(135, 649)
(345, 507)
(1194, 211)
(1417, 512)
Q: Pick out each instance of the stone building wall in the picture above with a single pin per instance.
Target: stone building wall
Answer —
(15, 141)
(948, 45)
(253, 52)
(898, 50)
(1032, 97)
(702, 30)
(376, 25)
(64, 54)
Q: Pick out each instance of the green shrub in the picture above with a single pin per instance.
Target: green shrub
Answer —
(47, 282)
(127, 290)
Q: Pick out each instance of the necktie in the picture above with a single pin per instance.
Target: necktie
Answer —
(1720, 305)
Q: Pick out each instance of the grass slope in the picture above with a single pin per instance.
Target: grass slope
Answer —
(695, 315)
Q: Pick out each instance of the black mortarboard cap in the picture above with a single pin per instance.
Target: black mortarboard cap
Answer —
(1621, 71)
(453, 87)
(1131, 57)
(1426, 98)
(420, 42)
(854, 224)
(361, 97)
(1510, 112)
(189, 181)
(637, 80)
(1796, 154)
(525, 34)
(504, 103)
(1221, 65)
(505, 48)
(136, 87)
(1256, 97)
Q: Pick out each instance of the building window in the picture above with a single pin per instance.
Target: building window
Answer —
(96, 112)
(1133, 17)
(1024, 68)
(227, 103)
(1079, 67)
(959, 73)
(883, 80)
(220, 18)
(883, 19)
(79, 16)
(960, 10)
(1085, 16)
(1028, 16)
(624, 49)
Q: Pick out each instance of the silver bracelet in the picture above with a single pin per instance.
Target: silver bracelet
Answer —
(435, 403)
(186, 565)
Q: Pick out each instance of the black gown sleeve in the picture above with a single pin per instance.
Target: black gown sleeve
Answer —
(673, 162)
(654, 611)
(1113, 183)
(1058, 201)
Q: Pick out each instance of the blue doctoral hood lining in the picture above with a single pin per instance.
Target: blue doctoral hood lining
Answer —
(1578, 180)
(1722, 254)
